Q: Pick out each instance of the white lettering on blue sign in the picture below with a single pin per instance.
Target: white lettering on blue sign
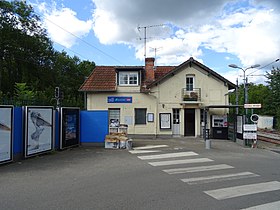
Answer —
(119, 99)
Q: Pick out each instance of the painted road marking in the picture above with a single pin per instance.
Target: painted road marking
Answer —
(175, 162)
(151, 147)
(143, 151)
(197, 169)
(269, 206)
(167, 155)
(215, 178)
(231, 192)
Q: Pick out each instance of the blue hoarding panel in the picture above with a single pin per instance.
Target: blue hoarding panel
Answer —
(57, 129)
(94, 126)
(18, 131)
(119, 99)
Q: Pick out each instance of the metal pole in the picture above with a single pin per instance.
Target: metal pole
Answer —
(204, 127)
(245, 95)
(236, 96)
(246, 99)
(207, 140)
(145, 41)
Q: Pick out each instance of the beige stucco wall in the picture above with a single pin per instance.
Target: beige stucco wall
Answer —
(163, 98)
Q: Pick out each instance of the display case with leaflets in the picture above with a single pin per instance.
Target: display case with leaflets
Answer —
(219, 127)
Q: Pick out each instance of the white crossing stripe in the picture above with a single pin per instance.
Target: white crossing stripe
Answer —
(197, 169)
(268, 206)
(207, 179)
(231, 192)
(167, 155)
(143, 151)
(151, 147)
(175, 162)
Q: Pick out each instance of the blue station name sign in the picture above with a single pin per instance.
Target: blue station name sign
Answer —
(119, 99)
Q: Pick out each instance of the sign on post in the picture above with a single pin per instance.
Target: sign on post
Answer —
(254, 118)
(250, 133)
(252, 106)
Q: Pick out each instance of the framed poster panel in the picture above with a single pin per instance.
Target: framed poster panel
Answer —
(69, 127)
(6, 134)
(165, 120)
(39, 130)
(150, 117)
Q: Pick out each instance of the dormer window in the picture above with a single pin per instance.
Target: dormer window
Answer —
(128, 78)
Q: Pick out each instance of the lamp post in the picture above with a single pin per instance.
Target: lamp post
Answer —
(245, 83)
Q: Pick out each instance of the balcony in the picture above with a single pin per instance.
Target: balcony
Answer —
(194, 95)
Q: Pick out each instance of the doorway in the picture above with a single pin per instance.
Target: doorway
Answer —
(189, 122)
(176, 123)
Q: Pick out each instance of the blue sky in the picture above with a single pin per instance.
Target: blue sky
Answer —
(216, 33)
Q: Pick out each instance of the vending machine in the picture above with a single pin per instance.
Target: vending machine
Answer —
(219, 127)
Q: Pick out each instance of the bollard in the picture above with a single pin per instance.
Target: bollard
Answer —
(208, 144)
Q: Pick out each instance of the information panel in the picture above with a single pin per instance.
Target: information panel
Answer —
(39, 130)
(165, 120)
(6, 134)
(69, 127)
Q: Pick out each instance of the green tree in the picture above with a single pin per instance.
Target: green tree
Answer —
(25, 50)
(71, 73)
(257, 94)
(27, 57)
(274, 93)
(23, 94)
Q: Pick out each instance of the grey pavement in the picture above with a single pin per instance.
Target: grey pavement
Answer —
(96, 178)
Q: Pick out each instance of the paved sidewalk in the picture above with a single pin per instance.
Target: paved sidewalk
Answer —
(96, 178)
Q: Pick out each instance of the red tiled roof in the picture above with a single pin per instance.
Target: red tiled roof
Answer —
(162, 70)
(102, 78)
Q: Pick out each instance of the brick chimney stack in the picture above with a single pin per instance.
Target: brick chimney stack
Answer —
(149, 69)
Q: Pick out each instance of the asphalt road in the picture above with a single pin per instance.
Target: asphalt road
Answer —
(98, 178)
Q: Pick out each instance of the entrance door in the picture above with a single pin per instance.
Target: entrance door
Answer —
(176, 122)
(189, 122)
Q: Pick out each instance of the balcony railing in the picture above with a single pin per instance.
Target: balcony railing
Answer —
(193, 95)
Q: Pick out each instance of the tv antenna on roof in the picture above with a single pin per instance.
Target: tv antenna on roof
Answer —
(145, 34)
(155, 50)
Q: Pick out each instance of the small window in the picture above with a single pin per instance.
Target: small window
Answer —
(189, 83)
(140, 116)
(128, 78)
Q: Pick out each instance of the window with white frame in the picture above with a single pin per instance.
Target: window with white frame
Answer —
(189, 83)
(128, 78)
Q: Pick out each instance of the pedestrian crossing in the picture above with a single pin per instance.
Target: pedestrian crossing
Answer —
(197, 169)
(237, 191)
(177, 162)
(223, 177)
(164, 159)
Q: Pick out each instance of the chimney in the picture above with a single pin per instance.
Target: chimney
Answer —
(149, 69)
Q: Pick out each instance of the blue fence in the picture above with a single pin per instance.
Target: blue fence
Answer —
(93, 129)
(94, 126)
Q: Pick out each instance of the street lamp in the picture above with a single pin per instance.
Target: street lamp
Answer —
(245, 83)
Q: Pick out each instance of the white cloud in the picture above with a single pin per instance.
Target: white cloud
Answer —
(63, 25)
(249, 32)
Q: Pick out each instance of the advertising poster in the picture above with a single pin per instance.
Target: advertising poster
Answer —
(70, 127)
(165, 120)
(38, 130)
(6, 133)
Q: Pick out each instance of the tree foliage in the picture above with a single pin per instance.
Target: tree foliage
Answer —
(27, 57)
(274, 93)
(267, 95)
